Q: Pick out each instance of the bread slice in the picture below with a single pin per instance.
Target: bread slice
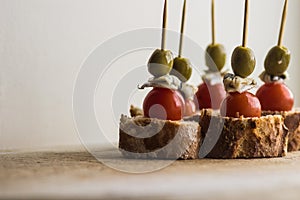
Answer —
(292, 122)
(243, 137)
(141, 137)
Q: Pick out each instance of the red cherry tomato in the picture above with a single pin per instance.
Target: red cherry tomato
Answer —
(241, 104)
(190, 107)
(163, 103)
(275, 97)
(210, 96)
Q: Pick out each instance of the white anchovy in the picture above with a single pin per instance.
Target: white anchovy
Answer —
(173, 83)
(267, 78)
(233, 83)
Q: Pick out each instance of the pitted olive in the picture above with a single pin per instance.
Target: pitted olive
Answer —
(160, 62)
(277, 60)
(215, 57)
(182, 68)
(243, 61)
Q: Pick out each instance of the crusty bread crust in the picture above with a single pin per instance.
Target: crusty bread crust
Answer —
(141, 137)
(135, 111)
(225, 137)
(292, 122)
(243, 137)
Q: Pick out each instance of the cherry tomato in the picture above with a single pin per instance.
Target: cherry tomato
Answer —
(275, 97)
(190, 107)
(163, 103)
(241, 104)
(210, 96)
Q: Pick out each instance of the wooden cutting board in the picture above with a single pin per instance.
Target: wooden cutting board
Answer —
(72, 173)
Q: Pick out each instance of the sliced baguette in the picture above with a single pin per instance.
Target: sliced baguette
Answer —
(227, 137)
(292, 122)
(141, 137)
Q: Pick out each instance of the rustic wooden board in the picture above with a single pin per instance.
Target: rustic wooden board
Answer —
(75, 174)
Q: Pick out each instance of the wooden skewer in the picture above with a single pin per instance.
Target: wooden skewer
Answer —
(283, 20)
(182, 29)
(164, 26)
(245, 31)
(213, 21)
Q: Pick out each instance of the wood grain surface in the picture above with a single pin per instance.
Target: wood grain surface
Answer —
(73, 173)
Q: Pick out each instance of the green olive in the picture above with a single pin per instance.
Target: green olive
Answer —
(277, 60)
(243, 61)
(215, 57)
(160, 62)
(182, 69)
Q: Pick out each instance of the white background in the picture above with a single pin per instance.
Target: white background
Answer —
(44, 42)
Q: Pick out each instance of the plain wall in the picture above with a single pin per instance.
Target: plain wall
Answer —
(44, 42)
